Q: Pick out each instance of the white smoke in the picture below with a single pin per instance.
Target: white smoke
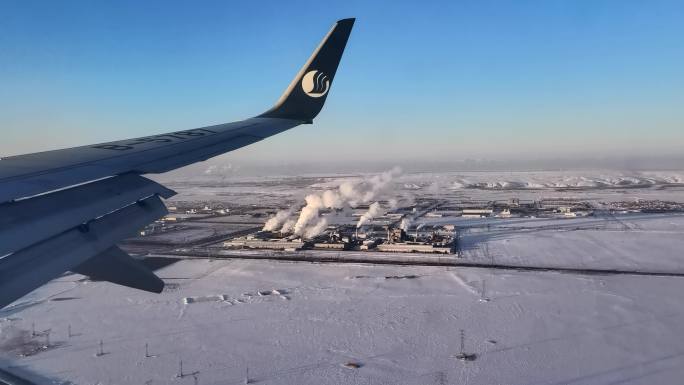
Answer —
(277, 221)
(309, 213)
(374, 211)
(316, 228)
(406, 223)
(365, 191)
(332, 199)
(222, 171)
(288, 226)
(347, 194)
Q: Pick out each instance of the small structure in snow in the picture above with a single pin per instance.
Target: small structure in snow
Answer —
(353, 365)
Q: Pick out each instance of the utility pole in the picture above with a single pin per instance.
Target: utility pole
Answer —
(483, 293)
(180, 369)
(101, 352)
(463, 356)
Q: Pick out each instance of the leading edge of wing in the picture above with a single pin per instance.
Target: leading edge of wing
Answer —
(32, 174)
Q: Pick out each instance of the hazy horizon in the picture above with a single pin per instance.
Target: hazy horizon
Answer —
(225, 166)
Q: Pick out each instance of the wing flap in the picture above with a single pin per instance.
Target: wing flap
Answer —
(29, 221)
(32, 267)
(114, 265)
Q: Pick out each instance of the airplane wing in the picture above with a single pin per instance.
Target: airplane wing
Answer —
(64, 210)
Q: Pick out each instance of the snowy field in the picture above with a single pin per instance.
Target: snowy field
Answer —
(274, 322)
(299, 323)
(641, 242)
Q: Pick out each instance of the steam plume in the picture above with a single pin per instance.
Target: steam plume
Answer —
(347, 194)
(276, 221)
(374, 211)
(406, 223)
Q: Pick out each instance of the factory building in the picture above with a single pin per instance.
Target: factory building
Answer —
(397, 241)
(369, 244)
(414, 247)
(477, 213)
(505, 213)
(330, 246)
(272, 244)
(396, 235)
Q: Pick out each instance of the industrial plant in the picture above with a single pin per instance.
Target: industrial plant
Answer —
(387, 238)
(330, 223)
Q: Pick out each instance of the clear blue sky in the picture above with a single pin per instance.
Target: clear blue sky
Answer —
(419, 80)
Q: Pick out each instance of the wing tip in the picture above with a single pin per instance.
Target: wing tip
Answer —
(300, 104)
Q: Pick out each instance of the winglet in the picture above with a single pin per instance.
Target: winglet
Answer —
(305, 96)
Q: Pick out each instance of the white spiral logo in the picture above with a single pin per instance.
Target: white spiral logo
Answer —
(315, 84)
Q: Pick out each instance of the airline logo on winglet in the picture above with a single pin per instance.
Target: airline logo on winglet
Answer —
(315, 84)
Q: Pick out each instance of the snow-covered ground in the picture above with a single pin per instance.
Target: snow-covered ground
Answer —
(299, 323)
(641, 242)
